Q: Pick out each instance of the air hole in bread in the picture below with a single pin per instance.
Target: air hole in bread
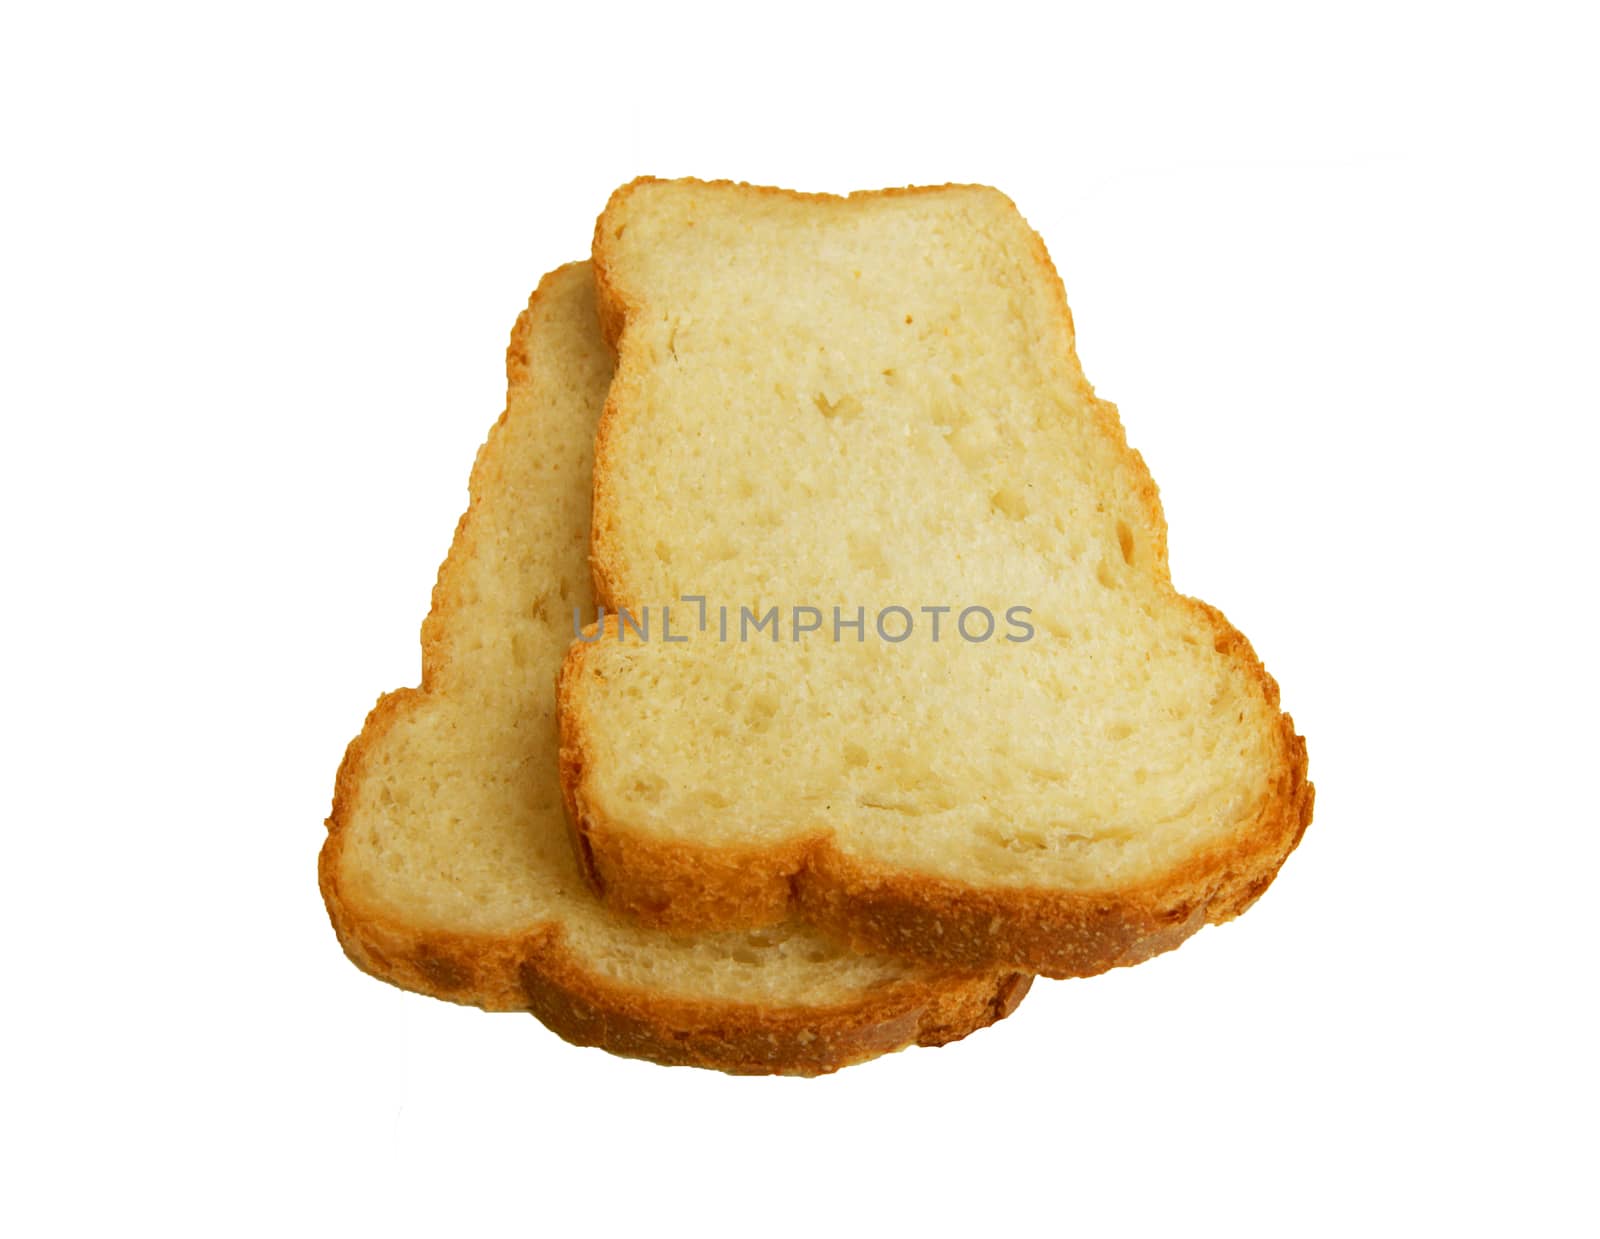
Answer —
(844, 409)
(648, 788)
(890, 802)
(1015, 839)
(947, 414)
(1055, 626)
(1125, 541)
(975, 444)
(763, 708)
(867, 555)
(1009, 502)
(1044, 774)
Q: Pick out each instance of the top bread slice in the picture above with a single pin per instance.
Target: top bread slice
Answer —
(875, 402)
(447, 867)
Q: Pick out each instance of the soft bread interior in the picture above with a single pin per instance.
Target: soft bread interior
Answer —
(877, 402)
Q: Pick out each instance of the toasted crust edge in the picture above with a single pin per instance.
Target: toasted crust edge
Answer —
(1051, 932)
(535, 971)
(1055, 933)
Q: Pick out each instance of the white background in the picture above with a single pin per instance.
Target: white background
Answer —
(258, 275)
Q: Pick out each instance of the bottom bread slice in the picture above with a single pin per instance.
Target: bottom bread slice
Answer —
(448, 867)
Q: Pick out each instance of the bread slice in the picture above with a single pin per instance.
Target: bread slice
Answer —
(875, 402)
(447, 867)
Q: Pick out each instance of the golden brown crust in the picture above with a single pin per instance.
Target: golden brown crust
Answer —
(1056, 933)
(583, 1009)
(684, 886)
(536, 971)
